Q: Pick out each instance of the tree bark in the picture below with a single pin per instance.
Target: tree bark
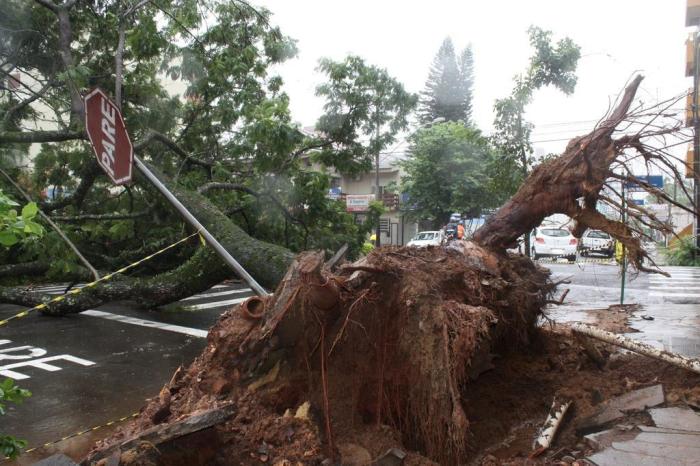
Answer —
(569, 184)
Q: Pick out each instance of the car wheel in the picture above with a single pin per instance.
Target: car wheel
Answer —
(571, 259)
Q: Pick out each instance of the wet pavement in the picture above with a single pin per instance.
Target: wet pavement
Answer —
(672, 302)
(88, 369)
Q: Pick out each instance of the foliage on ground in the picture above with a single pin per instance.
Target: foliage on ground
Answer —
(683, 252)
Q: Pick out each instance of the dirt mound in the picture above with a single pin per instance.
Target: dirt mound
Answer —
(380, 353)
(510, 402)
(417, 349)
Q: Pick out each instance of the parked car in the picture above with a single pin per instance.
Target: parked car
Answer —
(597, 242)
(553, 242)
(456, 217)
(426, 238)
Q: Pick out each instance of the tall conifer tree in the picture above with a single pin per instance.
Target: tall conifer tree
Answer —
(448, 89)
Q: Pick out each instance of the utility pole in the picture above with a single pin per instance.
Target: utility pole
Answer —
(378, 241)
(696, 137)
(624, 249)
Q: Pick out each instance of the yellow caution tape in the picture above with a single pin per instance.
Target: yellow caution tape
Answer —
(82, 432)
(91, 284)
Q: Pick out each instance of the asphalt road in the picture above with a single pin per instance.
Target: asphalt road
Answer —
(89, 369)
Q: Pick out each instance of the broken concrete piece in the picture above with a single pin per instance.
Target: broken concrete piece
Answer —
(686, 454)
(392, 457)
(59, 459)
(605, 438)
(615, 408)
(675, 440)
(612, 457)
(676, 418)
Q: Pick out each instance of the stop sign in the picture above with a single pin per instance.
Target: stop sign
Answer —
(108, 136)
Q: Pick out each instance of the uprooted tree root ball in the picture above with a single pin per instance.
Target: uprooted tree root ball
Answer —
(383, 349)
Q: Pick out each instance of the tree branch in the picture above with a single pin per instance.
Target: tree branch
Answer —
(30, 137)
(87, 177)
(58, 230)
(25, 268)
(156, 136)
(36, 95)
(48, 4)
(99, 217)
(237, 187)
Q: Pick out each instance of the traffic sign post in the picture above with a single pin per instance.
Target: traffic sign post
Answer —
(115, 154)
(108, 136)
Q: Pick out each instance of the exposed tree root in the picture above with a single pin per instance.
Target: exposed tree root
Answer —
(365, 348)
(571, 184)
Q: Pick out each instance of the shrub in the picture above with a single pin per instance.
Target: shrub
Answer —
(684, 252)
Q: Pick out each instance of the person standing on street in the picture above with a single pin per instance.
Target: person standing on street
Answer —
(460, 231)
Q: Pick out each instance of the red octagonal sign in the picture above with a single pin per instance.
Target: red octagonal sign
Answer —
(108, 136)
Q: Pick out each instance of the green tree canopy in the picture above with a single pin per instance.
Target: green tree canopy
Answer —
(550, 65)
(365, 109)
(446, 172)
(201, 104)
(449, 87)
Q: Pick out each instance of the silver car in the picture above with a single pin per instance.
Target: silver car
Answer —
(553, 242)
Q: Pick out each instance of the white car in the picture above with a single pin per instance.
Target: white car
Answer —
(553, 242)
(597, 242)
(426, 238)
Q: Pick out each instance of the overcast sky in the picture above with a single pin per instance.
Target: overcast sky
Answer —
(617, 38)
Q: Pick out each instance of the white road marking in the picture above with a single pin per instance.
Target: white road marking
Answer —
(32, 352)
(218, 293)
(674, 287)
(195, 332)
(40, 364)
(674, 295)
(598, 287)
(676, 277)
(677, 280)
(227, 302)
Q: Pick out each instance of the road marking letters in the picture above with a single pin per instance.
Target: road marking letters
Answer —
(30, 358)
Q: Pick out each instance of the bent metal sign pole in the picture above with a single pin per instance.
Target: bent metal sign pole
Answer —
(115, 154)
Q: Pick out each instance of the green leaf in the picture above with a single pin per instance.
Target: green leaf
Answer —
(29, 211)
(8, 238)
(33, 228)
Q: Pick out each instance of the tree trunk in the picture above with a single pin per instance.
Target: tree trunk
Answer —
(265, 261)
(569, 184)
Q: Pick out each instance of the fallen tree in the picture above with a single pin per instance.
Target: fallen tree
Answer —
(265, 261)
(391, 340)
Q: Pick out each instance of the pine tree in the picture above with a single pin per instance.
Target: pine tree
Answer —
(448, 89)
(466, 80)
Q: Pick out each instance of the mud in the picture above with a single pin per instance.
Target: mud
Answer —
(615, 318)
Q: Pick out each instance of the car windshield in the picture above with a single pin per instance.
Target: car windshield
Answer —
(598, 234)
(554, 232)
(425, 235)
